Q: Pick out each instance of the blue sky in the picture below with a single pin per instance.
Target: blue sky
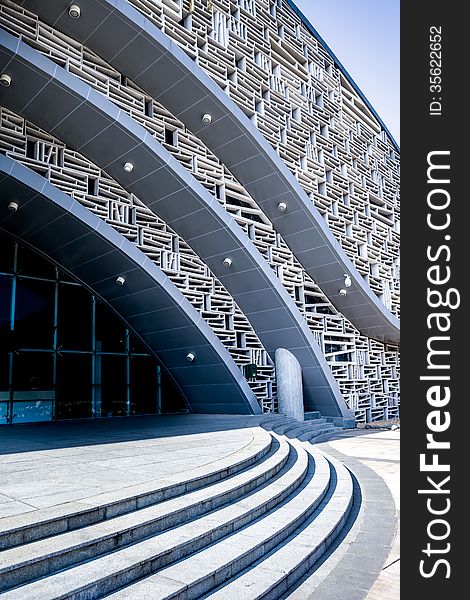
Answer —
(365, 36)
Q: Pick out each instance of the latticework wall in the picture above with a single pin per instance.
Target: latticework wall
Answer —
(276, 71)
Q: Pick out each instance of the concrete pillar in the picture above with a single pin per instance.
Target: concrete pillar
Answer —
(289, 384)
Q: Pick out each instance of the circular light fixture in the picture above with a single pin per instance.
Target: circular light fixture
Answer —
(190, 356)
(5, 80)
(74, 11)
(227, 262)
(282, 207)
(128, 167)
(13, 207)
(342, 292)
(347, 280)
(207, 119)
(120, 280)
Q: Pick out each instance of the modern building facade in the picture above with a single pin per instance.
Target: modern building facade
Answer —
(188, 186)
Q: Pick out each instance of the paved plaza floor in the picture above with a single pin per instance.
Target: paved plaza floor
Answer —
(378, 450)
(49, 464)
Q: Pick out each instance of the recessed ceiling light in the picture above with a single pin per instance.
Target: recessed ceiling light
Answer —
(74, 11)
(5, 80)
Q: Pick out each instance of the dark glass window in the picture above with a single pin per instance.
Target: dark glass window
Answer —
(73, 389)
(32, 263)
(6, 338)
(4, 370)
(64, 277)
(123, 383)
(113, 385)
(7, 251)
(137, 346)
(74, 318)
(109, 330)
(34, 314)
(144, 398)
(32, 371)
(172, 400)
(5, 304)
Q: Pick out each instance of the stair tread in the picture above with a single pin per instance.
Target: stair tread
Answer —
(219, 557)
(34, 551)
(312, 414)
(269, 425)
(302, 426)
(259, 446)
(313, 434)
(94, 573)
(275, 568)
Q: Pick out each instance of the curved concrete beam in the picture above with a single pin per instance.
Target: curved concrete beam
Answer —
(149, 303)
(122, 36)
(85, 120)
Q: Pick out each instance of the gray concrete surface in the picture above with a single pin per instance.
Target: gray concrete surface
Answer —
(379, 451)
(47, 464)
(364, 564)
(43, 465)
(289, 385)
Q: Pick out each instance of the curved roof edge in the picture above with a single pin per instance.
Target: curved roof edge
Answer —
(345, 72)
(68, 108)
(150, 304)
(122, 35)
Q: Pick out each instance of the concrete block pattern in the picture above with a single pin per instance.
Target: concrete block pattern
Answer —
(314, 118)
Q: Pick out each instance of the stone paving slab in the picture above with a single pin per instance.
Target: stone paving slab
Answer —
(365, 565)
(46, 464)
(383, 457)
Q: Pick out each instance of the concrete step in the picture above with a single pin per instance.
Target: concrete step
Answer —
(107, 573)
(321, 434)
(200, 573)
(42, 523)
(40, 558)
(293, 429)
(271, 578)
(251, 533)
(315, 430)
(275, 421)
(311, 415)
(364, 544)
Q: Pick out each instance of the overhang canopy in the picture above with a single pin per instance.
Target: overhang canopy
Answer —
(95, 254)
(126, 39)
(86, 121)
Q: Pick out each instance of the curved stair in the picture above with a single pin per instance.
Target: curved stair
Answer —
(43, 523)
(248, 529)
(313, 429)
